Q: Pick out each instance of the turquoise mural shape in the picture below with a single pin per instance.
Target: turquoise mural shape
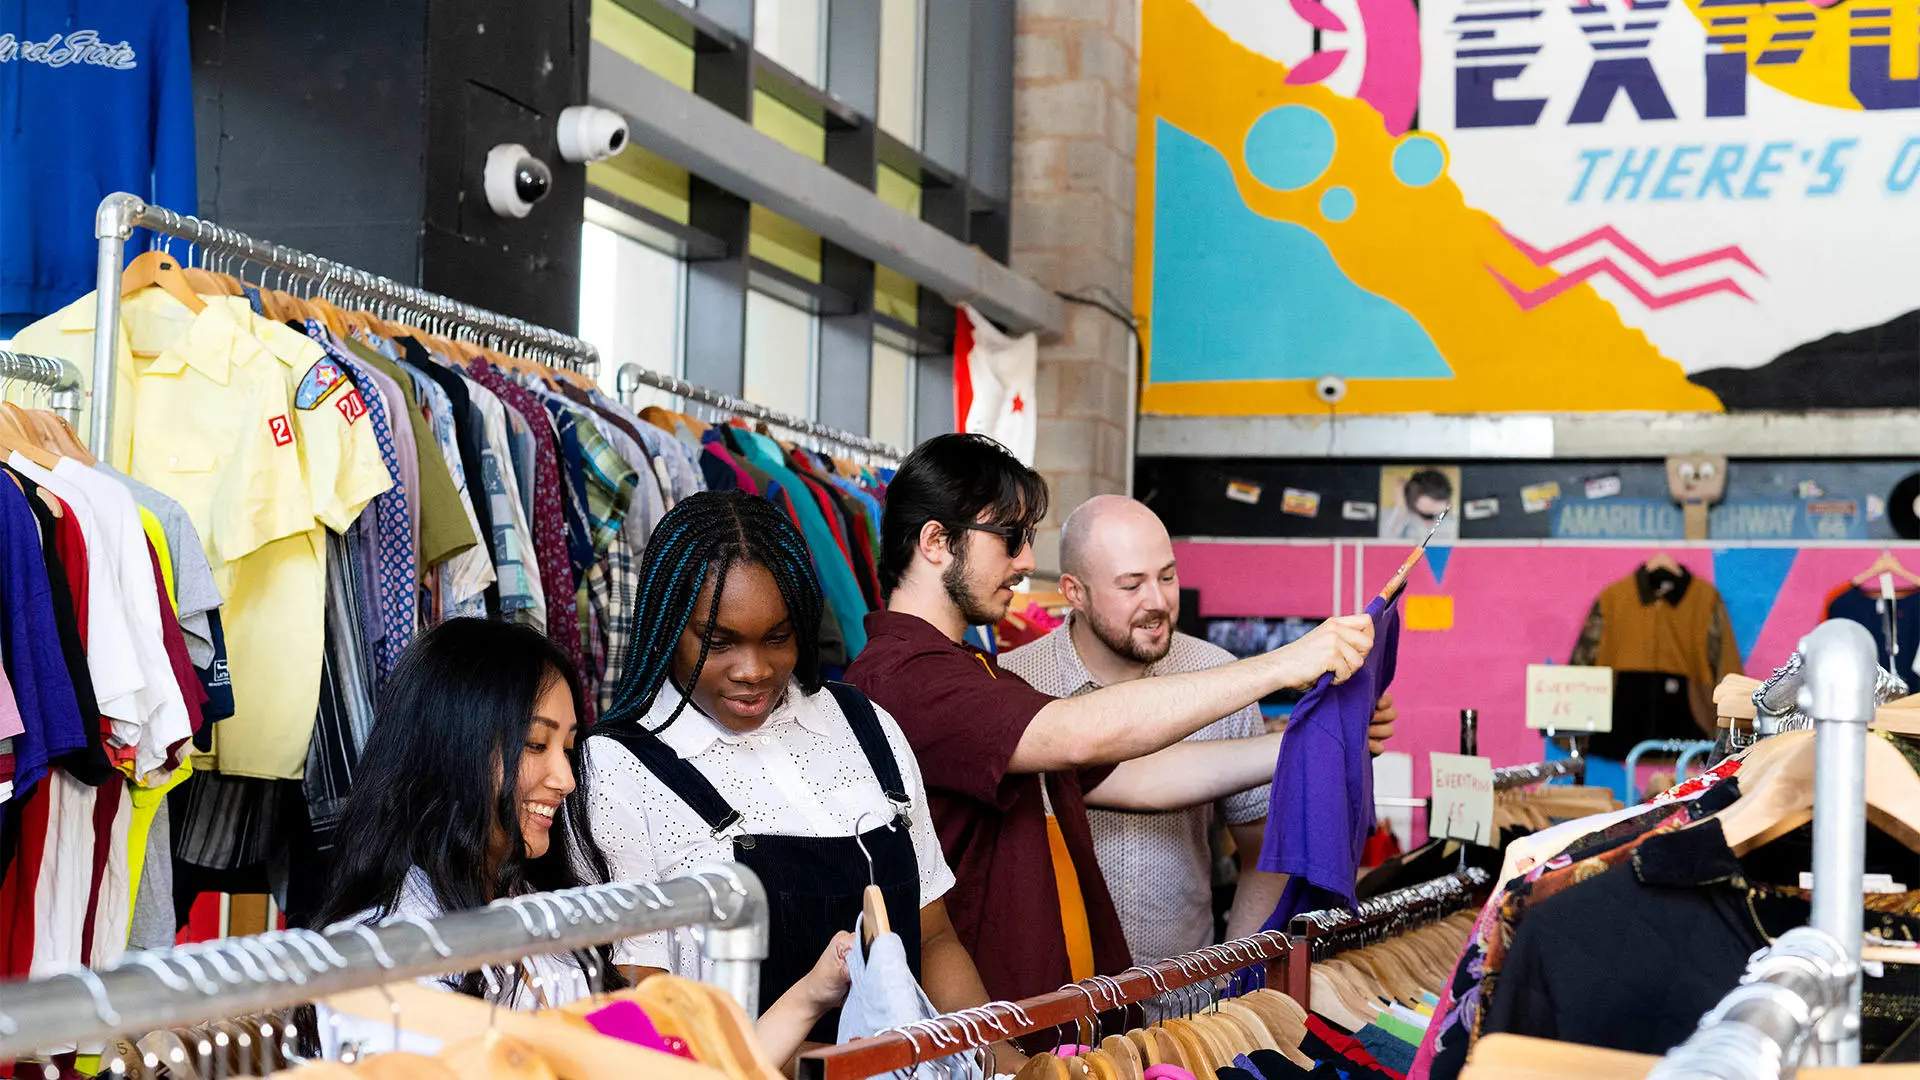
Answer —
(1289, 147)
(1238, 295)
(1418, 160)
(1337, 204)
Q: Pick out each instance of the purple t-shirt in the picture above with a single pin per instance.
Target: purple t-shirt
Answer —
(43, 688)
(1321, 812)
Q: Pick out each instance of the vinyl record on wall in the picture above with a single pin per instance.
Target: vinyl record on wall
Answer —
(1901, 511)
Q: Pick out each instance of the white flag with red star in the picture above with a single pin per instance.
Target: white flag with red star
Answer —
(994, 379)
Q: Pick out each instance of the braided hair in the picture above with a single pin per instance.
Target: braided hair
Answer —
(705, 536)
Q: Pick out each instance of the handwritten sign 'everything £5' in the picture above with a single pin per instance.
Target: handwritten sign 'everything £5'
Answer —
(1462, 798)
(1567, 698)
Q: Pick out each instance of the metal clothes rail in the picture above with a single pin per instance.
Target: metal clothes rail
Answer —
(60, 379)
(631, 375)
(1504, 779)
(1519, 776)
(1331, 930)
(1805, 989)
(248, 975)
(120, 213)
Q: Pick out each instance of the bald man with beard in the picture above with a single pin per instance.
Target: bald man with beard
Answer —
(1119, 574)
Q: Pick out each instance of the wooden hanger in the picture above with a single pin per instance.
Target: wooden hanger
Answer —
(159, 268)
(1886, 564)
(495, 1056)
(402, 1066)
(573, 1053)
(1042, 1067)
(1662, 561)
(1781, 799)
(15, 439)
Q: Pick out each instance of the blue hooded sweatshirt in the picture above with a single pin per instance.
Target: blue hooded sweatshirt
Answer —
(96, 96)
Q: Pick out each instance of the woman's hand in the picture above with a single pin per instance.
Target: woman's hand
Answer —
(784, 1026)
(828, 982)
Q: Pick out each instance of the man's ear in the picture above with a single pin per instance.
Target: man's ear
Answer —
(935, 543)
(1074, 590)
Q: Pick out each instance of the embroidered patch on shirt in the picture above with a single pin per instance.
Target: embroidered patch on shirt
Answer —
(282, 431)
(352, 406)
(317, 383)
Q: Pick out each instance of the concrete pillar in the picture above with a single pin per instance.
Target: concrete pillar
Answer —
(1076, 87)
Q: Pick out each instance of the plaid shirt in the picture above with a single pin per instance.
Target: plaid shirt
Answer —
(611, 588)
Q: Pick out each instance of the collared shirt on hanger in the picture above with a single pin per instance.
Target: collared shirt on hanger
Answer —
(801, 773)
(207, 415)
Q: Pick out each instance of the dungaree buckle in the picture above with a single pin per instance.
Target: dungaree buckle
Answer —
(728, 822)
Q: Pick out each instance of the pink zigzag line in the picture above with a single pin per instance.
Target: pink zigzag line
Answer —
(1633, 251)
(1528, 299)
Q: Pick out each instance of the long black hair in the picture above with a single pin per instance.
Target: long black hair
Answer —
(951, 479)
(440, 773)
(706, 535)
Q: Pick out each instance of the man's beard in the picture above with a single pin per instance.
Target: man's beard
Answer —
(975, 611)
(1120, 639)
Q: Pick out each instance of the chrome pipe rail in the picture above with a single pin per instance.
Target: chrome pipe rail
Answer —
(189, 984)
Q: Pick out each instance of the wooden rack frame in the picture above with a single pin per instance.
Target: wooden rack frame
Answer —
(1284, 958)
(956, 1032)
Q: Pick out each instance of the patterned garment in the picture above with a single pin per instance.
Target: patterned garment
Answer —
(549, 518)
(397, 603)
(521, 598)
(613, 585)
(461, 581)
(1443, 1052)
(610, 479)
(345, 718)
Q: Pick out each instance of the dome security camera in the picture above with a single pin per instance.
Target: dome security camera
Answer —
(590, 133)
(515, 180)
(1330, 388)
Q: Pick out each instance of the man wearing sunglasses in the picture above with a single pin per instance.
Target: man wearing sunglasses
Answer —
(1009, 769)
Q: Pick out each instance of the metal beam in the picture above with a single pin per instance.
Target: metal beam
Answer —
(1859, 433)
(727, 151)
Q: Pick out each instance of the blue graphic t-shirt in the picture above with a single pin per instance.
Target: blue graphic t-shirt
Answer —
(95, 97)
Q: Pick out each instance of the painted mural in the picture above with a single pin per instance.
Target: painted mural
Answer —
(1528, 205)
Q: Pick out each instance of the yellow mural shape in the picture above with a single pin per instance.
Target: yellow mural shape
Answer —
(1822, 73)
(1420, 248)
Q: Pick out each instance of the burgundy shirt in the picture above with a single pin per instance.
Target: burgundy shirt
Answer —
(964, 716)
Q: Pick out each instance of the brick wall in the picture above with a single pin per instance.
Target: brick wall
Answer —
(1076, 76)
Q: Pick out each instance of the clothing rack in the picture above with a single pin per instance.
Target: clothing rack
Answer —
(1761, 1029)
(1519, 776)
(956, 1033)
(120, 213)
(249, 975)
(630, 375)
(1328, 931)
(1804, 990)
(57, 376)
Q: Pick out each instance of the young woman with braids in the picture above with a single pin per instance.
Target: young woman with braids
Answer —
(724, 743)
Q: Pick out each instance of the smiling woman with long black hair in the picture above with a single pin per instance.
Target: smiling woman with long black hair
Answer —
(470, 789)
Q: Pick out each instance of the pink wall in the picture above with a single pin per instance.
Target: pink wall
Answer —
(1513, 605)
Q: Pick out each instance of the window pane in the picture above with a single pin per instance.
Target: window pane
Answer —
(900, 70)
(781, 343)
(788, 33)
(890, 409)
(630, 304)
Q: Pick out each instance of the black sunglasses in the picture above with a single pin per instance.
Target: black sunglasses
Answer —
(1018, 539)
